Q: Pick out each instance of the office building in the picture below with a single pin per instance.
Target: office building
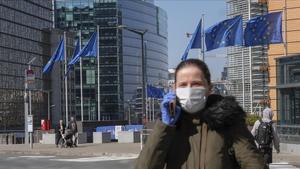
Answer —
(120, 52)
(21, 33)
(254, 59)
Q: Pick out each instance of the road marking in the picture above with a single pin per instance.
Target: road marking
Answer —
(282, 165)
(37, 157)
(279, 163)
(11, 158)
(96, 159)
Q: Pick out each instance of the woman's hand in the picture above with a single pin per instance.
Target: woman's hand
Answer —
(166, 117)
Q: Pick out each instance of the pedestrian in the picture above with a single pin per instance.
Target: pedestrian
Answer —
(199, 130)
(265, 134)
(60, 130)
(73, 128)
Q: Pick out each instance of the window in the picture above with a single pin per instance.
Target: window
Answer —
(69, 16)
(90, 76)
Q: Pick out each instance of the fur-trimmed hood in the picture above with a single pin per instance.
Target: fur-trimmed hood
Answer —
(222, 112)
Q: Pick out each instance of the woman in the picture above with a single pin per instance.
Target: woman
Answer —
(60, 130)
(206, 131)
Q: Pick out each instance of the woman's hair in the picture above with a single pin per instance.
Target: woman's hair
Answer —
(197, 63)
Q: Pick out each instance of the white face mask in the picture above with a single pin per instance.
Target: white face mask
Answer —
(192, 100)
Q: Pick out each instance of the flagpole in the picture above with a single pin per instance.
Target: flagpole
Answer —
(66, 78)
(81, 80)
(250, 63)
(148, 108)
(202, 39)
(147, 100)
(285, 29)
(98, 77)
(153, 108)
(243, 77)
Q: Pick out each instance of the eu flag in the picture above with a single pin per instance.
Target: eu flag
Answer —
(77, 49)
(226, 33)
(89, 50)
(263, 30)
(154, 92)
(149, 91)
(195, 42)
(57, 56)
(75, 53)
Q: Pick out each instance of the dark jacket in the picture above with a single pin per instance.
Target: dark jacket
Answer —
(57, 129)
(216, 138)
(73, 126)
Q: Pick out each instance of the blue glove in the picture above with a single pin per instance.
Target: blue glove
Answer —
(165, 114)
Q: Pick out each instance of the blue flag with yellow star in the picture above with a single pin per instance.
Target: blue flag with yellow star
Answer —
(263, 30)
(195, 42)
(226, 33)
(57, 56)
(89, 50)
(155, 92)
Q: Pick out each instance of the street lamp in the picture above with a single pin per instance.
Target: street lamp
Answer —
(141, 33)
(27, 102)
(128, 114)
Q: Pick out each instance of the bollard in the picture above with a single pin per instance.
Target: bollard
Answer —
(142, 139)
(146, 133)
(6, 138)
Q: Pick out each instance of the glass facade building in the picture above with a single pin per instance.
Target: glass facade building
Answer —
(255, 80)
(21, 33)
(120, 52)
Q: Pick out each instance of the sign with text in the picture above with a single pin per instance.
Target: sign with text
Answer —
(30, 123)
(30, 78)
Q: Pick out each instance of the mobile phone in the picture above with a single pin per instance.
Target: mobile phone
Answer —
(172, 107)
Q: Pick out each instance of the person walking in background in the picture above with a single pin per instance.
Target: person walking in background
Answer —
(199, 130)
(73, 128)
(264, 132)
(60, 130)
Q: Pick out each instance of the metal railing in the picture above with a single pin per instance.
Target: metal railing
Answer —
(12, 137)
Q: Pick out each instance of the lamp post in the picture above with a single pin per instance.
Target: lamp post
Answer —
(27, 103)
(141, 33)
(128, 114)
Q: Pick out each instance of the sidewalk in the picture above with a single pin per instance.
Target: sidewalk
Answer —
(291, 158)
(83, 150)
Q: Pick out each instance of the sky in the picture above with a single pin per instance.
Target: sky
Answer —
(183, 17)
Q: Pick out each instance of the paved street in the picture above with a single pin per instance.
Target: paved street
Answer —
(100, 156)
(53, 162)
(83, 150)
(63, 162)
